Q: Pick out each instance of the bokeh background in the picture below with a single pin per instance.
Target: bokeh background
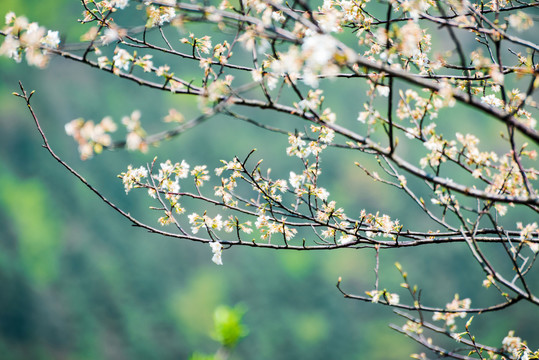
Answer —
(78, 282)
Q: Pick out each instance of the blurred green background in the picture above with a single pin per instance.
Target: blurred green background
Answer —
(78, 282)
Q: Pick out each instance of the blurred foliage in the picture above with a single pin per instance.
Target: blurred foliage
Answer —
(77, 282)
(228, 331)
(198, 356)
(228, 328)
(32, 217)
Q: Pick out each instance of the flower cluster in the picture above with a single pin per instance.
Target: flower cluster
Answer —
(120, 4)
(520, 21)
(204, 221)
(264, 9)
(135, 132)
(267, 227)
(228, 184)
(200, 174)
(441, 150)
(512, 344)
(221, 52)
(145, 62)
(215, 91)
(297, 146)
(271, 190)
(91, 137)
(376, 295)
(201, 45)
(414, 107)
(329, 211)
(450, 316)
(233, 224)
(29, 38)
(122, 59)
(370, 116)
(317, 56)
(300, 148)
(409, 37)
(168, 181)
(508, 178)
(444, 198)
(313, 100)
(380, 225)
(413, 327)
(415, 7)
(158, 16)
(110, 5)
(132, 177)
(529, 232)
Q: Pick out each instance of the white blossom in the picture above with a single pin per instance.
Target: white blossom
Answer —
(10, 48)
(121, 59)
(346, 239)
(120, 4)
(217, 250)
(51, 40)
(111, 34)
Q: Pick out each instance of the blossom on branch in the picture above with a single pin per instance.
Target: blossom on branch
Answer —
(405, 68)
(217, 250)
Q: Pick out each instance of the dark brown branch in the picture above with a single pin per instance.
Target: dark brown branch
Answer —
(491, 308)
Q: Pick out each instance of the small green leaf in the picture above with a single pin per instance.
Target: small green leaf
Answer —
(468, 323)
